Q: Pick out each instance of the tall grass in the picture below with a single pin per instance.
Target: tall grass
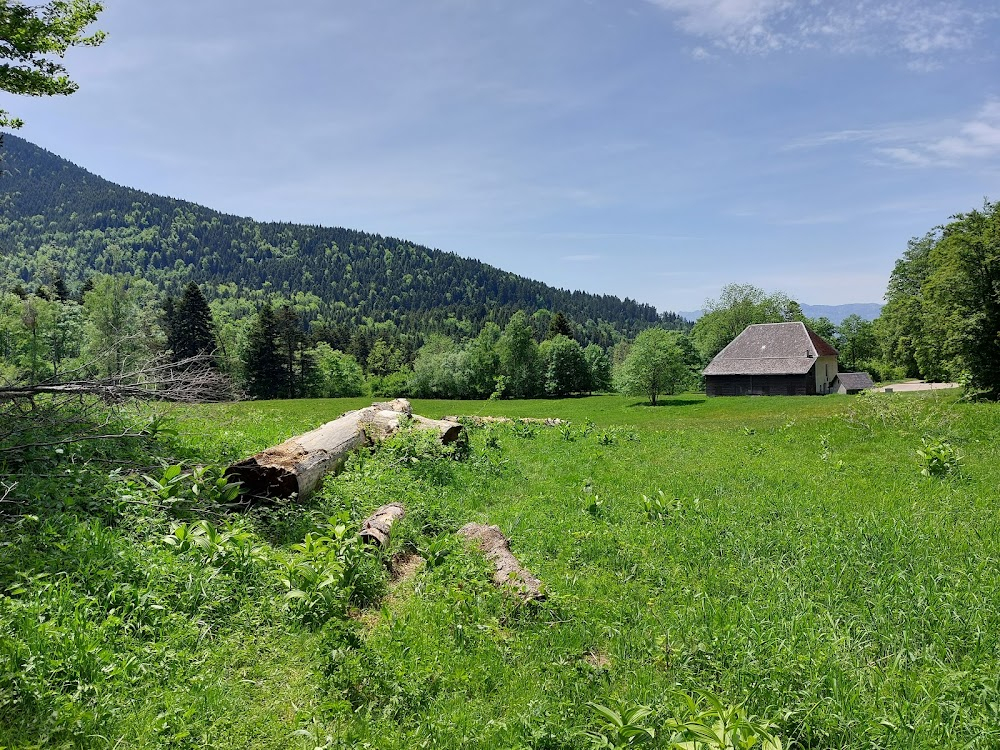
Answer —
(787, 554)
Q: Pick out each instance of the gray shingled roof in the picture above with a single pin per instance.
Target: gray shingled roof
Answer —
(770, 349)
(855, 381)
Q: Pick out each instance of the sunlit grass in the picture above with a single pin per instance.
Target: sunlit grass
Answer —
(796, 559)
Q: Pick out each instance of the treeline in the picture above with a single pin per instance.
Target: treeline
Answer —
(941, 320)
(58, 219)
(115, 324)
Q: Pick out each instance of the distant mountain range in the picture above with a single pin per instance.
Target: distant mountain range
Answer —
(57, 218)
(835, 313)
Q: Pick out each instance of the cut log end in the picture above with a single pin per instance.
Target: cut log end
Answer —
(257, 480)
(377, 528)
(509, 571)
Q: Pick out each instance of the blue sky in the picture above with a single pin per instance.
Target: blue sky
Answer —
(655, 149)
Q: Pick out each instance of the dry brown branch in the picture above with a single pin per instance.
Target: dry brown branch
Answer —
(192, 380)
(77, 439)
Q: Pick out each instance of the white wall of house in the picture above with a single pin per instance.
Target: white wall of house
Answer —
(826, 371)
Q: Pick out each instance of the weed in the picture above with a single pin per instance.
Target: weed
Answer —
(706, 723)
(180, 491)
(938, 458)
(524, 430)
(624, 726)
(594, 505)
(658, 508)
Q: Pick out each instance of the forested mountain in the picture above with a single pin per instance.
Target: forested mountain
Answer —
(58, 219)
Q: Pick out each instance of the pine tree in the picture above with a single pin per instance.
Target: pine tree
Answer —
(559, 326)
(59, 288)
(291, 340)
(190, 331)
(262, 362)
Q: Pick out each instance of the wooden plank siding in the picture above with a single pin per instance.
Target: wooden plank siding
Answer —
(761, 385)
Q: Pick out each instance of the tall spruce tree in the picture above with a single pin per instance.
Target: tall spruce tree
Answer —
(291, 342)
(559, 326)
(262, 362)
(190, 329)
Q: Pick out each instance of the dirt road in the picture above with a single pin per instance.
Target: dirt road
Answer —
(916, 385)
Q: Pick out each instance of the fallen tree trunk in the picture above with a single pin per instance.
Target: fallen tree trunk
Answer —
(377, 527)
(476, 421)
(297, 466)
(509, 571)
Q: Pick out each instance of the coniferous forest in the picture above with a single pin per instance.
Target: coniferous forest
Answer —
(58, 220)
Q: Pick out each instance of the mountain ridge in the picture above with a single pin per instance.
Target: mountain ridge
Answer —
(57, 217)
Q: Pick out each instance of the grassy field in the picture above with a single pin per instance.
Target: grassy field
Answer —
(788, 553)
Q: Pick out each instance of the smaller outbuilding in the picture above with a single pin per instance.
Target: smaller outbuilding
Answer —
(852, 382)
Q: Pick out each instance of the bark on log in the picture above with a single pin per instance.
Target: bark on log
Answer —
(476, 421)
(298, 465)
(378, 526)
(509, 571)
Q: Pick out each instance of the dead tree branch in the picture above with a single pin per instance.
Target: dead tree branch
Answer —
(191, 380)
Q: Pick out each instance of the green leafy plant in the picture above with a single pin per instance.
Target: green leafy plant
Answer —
(437, 550)
(524, 430)
(595, 506)
(328, 572)
(179, 490)
(938, 458)
(658, 508)
(706, 723)
(621, 727)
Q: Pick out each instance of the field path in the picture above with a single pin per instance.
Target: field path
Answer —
(917, 385)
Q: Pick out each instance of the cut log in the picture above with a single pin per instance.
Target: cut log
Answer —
(377, 527)
(509, 571)
(477, 421)
(297, 466)
(384, 423)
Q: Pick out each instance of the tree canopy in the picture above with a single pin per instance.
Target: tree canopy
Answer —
(654, 365)
(31, 36)
(738, 306)
(942, 314)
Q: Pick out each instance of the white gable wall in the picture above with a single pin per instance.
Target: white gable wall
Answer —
(826, 371)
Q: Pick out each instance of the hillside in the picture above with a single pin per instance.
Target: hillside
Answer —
(58, 217)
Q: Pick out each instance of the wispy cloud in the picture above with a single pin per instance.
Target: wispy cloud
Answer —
(919, 29)
(948, 143)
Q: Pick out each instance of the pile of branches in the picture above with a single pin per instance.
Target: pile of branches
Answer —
(191, 380)
(46, 415)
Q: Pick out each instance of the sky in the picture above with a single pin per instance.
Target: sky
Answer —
(651, 149)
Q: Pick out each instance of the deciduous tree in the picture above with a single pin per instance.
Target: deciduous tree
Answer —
(654, 366)
(33, 39)
(563, 366)
(738, 306)
(519, 362)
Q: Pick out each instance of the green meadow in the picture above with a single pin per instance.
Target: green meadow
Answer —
(830, 564)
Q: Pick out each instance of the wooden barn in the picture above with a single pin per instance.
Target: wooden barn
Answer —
(773, 359)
